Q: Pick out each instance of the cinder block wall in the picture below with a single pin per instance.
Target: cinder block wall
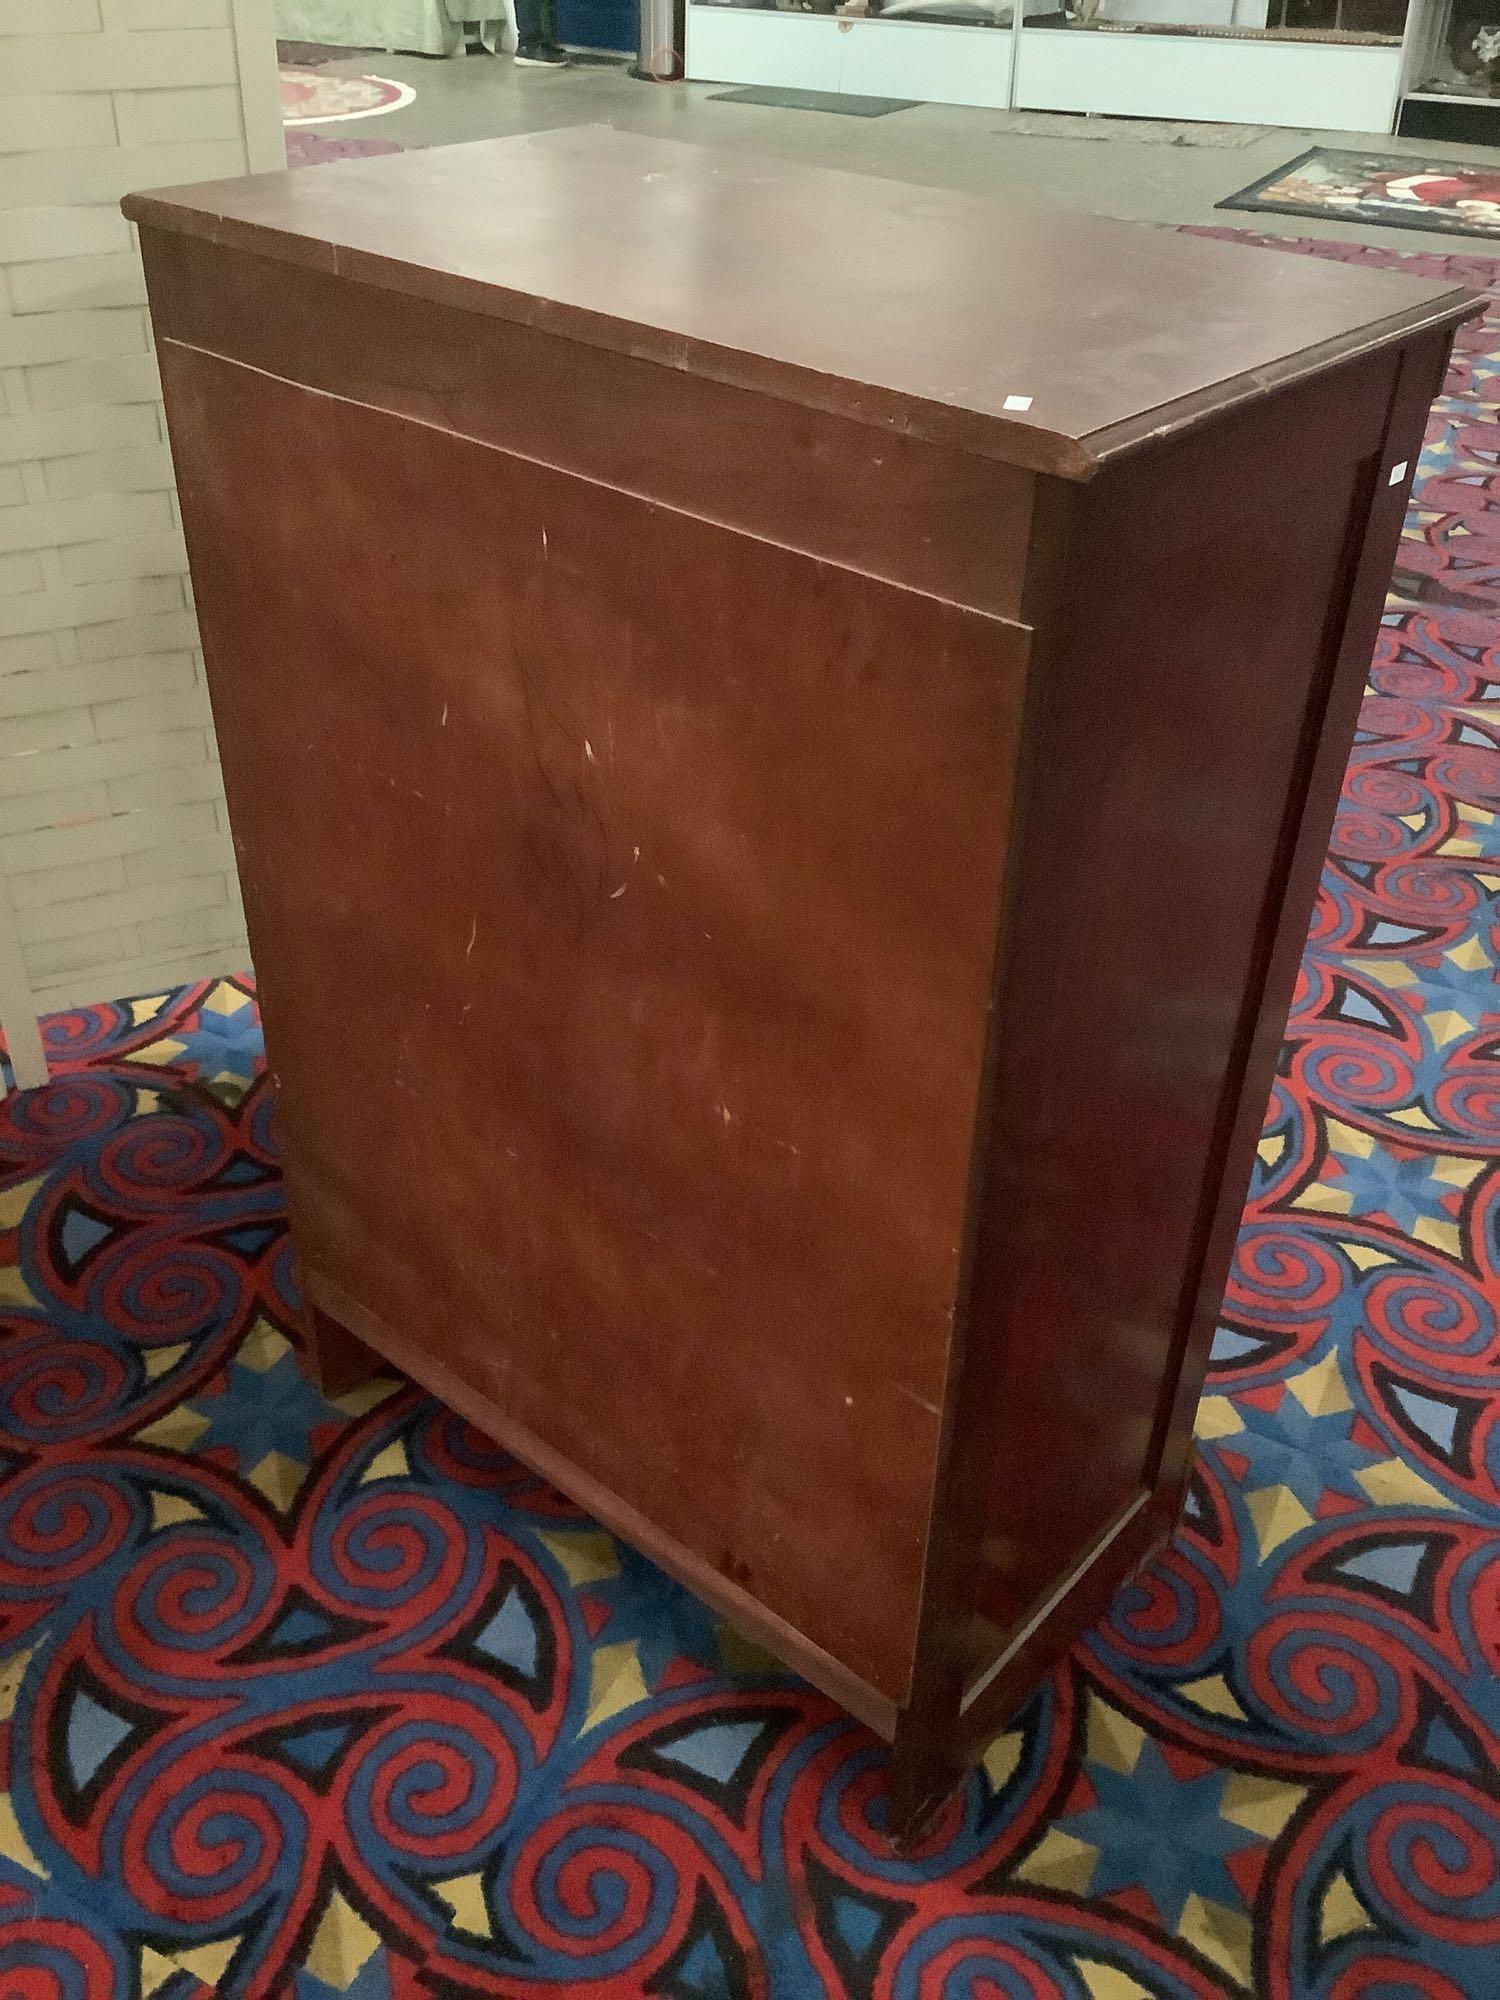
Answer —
(116, 873)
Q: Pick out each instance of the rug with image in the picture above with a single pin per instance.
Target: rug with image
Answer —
(301, 1698)
(1397, 190)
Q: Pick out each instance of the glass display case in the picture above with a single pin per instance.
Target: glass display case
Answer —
(1456, 50)
(1382, 20)
(1332, 20)
(1331, 64)
(1452, 83)
(951, 13)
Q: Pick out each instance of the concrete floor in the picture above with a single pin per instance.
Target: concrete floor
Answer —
(1142, 170)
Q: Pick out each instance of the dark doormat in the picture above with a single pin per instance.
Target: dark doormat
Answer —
(1397, 190)
(307, 55)
(813, 100)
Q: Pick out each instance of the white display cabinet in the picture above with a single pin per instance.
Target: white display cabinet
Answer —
(1334, 64)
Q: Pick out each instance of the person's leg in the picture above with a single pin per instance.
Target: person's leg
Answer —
(536, 32)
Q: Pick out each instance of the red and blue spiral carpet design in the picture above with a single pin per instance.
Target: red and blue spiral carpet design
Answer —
(301, 1699)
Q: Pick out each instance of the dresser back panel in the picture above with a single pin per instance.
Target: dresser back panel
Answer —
(623, 890)
(936, 518)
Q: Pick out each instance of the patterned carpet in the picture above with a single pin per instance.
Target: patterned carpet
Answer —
(311, 96)
(300, 1699)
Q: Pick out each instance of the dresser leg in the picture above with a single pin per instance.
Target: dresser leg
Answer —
(337, 1359)
(915, 1802)
(924, 1774)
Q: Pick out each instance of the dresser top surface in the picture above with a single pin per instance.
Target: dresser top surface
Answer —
(1051, 339)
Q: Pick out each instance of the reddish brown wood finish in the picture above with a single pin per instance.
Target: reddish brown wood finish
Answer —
(918, 310)
(1158, 1021)
(340, 1359)
(812, 899)
(943, 521)
(544, 823)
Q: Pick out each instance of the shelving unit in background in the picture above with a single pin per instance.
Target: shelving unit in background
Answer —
(1447, 93)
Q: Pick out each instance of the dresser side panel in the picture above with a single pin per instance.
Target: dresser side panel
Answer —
(1183, 668)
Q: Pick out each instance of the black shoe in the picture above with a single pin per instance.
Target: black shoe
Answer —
(540, 54)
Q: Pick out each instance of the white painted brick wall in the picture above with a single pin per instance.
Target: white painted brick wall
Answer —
(116, 874)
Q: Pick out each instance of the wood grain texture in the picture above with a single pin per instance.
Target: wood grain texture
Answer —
(936, 519)
(334, 1312)
(811, 899)
(897, 306)
(1155, 859)
(1414, 380)
(1146, 972)
(691, 1216)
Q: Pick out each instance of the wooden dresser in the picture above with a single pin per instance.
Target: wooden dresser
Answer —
(780, 730)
